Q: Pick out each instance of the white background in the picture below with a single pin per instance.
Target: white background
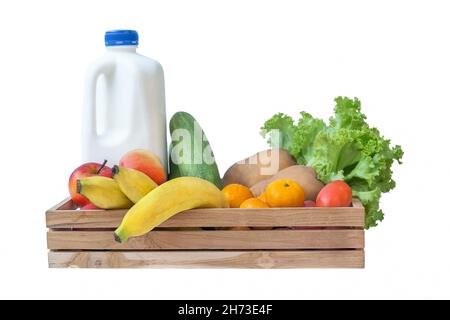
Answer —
(232, 64)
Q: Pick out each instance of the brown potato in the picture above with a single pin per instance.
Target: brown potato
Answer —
(258, 167)
(305, 176)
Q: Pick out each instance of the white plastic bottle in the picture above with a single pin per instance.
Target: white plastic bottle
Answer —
(124, 105)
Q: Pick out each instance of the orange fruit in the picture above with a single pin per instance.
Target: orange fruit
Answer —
(254, 203)
(263, 197)
(285, 193)
(236, 194)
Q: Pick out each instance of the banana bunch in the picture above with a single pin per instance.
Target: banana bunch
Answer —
(126, 188)
(150, 204)
(165, 201)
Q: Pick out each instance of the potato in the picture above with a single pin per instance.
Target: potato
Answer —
(258, 167)
(305, 176)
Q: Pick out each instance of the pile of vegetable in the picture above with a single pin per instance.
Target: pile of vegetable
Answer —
(346, 148)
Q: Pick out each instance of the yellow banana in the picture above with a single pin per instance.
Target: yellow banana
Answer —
(165, 201)
(103, 192)
(133, 183)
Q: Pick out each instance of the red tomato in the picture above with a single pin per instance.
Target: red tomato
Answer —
(310, 203)
(335, 194)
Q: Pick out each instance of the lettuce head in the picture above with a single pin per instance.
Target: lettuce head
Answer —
(346, 148)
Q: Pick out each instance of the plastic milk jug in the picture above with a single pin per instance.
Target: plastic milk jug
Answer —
(124, 107)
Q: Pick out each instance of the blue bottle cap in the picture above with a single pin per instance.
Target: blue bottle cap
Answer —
(121, 38)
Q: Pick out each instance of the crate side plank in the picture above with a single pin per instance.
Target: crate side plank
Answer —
(65, 205)
(302, 217)
(193, 240)
(356, 203)
(211, 259)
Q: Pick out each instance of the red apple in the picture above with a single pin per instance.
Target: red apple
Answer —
(89, 206)
(86, 170)
(146, 162)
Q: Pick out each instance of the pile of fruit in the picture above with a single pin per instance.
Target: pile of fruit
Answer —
(97, 186)
(284, 193)
(139, 183)
(310, 165)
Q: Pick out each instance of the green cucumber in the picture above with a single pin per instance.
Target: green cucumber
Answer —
(190, 154)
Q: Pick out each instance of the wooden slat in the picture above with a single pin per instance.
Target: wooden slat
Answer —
(276, 217)
(75, 219)
(193, 240)
(357, 204)
(66, 204)
(209, 259)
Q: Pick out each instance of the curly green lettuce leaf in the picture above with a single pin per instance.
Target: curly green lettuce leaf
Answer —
(365, 170)
(371, 202)
(306, 131)
(334, 150)
(279, 130)
(382, 155)
(347, 114)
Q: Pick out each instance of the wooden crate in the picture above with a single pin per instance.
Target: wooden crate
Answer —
(201, 238)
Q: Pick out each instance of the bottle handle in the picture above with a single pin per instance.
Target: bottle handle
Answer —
(89, 126)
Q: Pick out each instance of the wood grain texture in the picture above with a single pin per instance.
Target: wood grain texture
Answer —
(66, 204)
(339, 246)
(209, 259)
(197, 240)
(275, 217)
(356, 203)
